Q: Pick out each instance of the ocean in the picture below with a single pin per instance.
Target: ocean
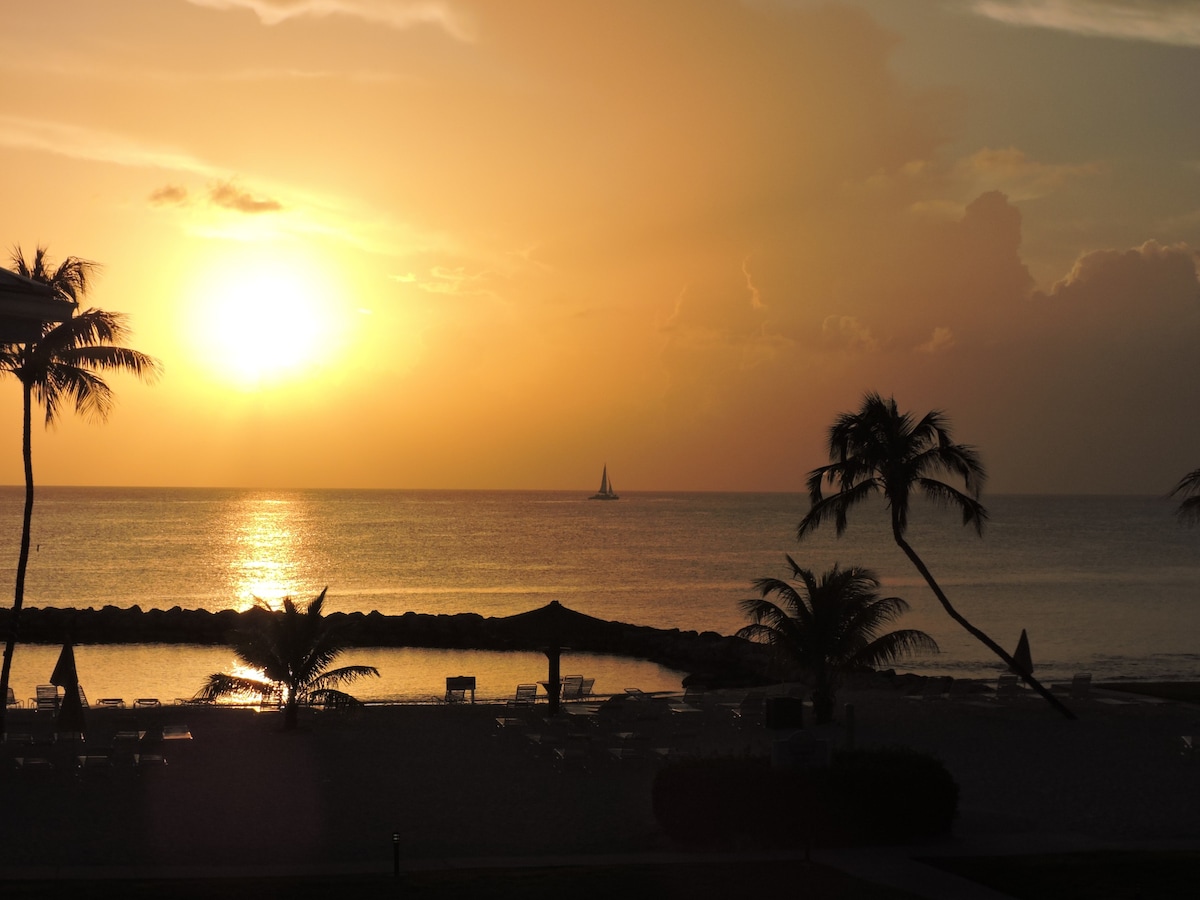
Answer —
(1104, 584)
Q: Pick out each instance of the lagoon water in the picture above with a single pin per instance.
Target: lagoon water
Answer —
(1109, 585)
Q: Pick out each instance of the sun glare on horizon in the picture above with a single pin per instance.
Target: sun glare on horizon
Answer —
(263, 323)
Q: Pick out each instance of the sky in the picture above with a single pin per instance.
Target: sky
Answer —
(442, 244)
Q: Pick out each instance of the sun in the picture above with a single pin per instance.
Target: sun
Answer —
(262, 322)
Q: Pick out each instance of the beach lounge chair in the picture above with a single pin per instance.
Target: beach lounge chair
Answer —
(526, 695)
(47, 698)
(110, 703)
(11, 701)
(585, 689)
(146, 702)
(572, 687)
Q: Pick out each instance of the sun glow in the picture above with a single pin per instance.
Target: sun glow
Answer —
(264, 322)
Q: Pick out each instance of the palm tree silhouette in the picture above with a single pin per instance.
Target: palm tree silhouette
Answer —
(881, 451)
(293, 648)
(1188, 490)
(829, 626)
(64, 364)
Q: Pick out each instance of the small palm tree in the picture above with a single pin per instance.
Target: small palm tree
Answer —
(1188, 490)
(63, 365)
(881, 451)
(830, 626)
(293, 648)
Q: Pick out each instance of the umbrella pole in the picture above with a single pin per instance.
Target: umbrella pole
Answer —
(554, 685)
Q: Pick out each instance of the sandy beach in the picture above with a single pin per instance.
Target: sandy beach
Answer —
(243, 796)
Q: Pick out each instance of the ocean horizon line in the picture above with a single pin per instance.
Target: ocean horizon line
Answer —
(1134, 495)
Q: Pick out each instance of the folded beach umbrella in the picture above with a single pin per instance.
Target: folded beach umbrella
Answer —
(70, 713)
(1022, 656)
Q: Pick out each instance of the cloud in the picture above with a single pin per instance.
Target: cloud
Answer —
(456, 282)
(848, 333)
(1132, 280)
(755, 297)
(229, 196)
(94, 145)
(1017, 175)
(398, 14)
(1159, 21)
(169, 195)
(941, 339)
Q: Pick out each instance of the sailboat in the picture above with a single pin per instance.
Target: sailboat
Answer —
(606, 491)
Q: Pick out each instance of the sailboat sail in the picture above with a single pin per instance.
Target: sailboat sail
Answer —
(606, 491)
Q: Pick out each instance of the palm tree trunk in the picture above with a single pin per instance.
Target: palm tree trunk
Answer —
(972, 630)
(23, 559)
(291, 709)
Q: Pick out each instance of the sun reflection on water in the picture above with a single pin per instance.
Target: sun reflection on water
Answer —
(268, 539)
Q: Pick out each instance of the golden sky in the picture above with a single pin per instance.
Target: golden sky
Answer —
(441, 244)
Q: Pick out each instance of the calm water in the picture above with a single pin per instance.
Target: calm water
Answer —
(1109, 585)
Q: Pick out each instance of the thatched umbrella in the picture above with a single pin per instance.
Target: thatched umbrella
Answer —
(70, 712)
(551, 629)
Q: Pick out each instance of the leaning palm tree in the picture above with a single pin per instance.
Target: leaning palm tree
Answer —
(63, 365)
(830, 626)
(1188, 490)
(881, 451)
(293, 648)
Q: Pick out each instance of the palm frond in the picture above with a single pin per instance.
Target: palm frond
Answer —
(894, 646)
(89, 393)
(342, 675)
(70, 280)
(837, 506)
(973, 512)
(220, 685)
(1188, 490)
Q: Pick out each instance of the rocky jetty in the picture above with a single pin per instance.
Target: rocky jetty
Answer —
(712, 659)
